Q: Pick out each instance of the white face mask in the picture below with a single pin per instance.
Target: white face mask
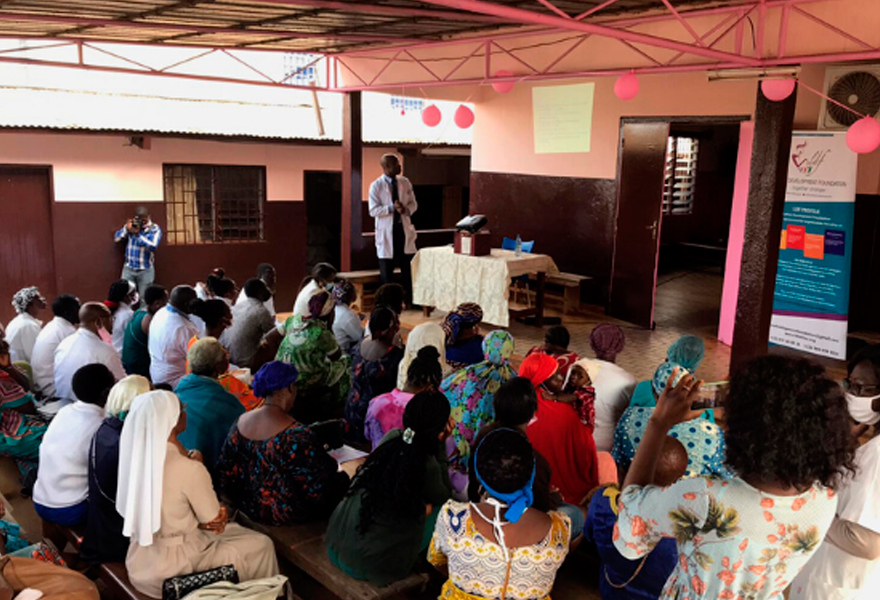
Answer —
(860, 409)
(135, 298)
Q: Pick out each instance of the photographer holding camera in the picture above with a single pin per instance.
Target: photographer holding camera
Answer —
(143, 237)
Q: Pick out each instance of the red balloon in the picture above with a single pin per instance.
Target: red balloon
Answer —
(627, 86)
(431, 116)
(777, 90)
(863, 136)
(464, 117)
(503, 87)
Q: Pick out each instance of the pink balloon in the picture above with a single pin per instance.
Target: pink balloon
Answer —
(778, 89)
(627, 86)
(464, 117)
(503, 87)
(863, 136)
(431, 116)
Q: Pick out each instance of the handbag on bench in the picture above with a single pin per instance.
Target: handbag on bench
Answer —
(177, 588)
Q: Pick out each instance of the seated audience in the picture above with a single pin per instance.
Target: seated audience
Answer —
(386, 411)
(556, 342)
(386, 520)
(216, 317)
(85, 347)
(750, 535)
(321, 278)
(123, 295)
(61, 494)
(324, 371)
(135, 347)
(273, 468)
(577, 388)
(421, 336)
(346, 324)
(656, 385)
(251, 321)
(619, 577)
(266, 273)
(66, 310)
(22, 331)
(500, 547)
(687, 352)
(463, 339)
(847, 563)
(374, 369)
(614, 386)
(558, 434)
(393, 296)
(20, 432)
(470, 392)
(170, 332)
(515, 406)
(103, 540)
(218, 286)
(211, 410)
(169, 508)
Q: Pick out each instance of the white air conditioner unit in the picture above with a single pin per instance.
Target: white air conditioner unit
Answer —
(856, 86)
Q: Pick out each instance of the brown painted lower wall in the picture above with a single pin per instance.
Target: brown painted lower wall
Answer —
(571, 219)
(87, 261)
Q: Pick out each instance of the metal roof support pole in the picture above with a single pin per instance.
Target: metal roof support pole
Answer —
(352, 190)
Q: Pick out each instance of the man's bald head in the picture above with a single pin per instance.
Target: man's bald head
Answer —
(672, 464)
(94, 315)
(182, 297)
(390, 165)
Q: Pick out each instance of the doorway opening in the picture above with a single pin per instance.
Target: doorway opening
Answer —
(323, 196)
(676, 179)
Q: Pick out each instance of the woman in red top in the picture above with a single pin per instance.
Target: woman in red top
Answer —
(558, 434)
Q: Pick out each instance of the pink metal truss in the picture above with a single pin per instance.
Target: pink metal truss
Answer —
(725, 22)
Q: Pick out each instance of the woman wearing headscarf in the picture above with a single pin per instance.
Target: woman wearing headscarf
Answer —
(103, 540)
(374, 369)
(463, 339)
(274, 468)
(686, 352)
(324, 370)
(426, 334)
(471, 392)
(558, 434)
(22, 331)
(169, 508)
(613, 385)
(500, 547)
(346, 325)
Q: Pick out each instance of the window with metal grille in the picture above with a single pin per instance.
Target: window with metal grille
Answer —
(211, 204)
(681, 175)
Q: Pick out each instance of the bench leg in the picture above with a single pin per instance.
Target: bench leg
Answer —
(571, 300)
(427, 310)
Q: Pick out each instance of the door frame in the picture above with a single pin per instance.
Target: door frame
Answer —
(670, 121)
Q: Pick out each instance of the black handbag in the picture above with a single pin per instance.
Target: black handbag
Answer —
(176, 588)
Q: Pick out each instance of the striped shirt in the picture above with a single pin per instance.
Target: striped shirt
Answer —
(141, 248)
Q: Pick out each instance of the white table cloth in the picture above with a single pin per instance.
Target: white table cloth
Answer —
(444, 279)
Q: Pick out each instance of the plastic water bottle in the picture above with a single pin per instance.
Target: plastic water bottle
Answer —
(518, 250)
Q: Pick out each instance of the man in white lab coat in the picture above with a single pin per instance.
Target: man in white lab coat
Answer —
(392, 203)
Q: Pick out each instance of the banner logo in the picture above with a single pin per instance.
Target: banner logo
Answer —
(804, 162)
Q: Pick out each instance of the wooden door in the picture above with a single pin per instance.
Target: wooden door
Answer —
(637, 240)
(26, 249)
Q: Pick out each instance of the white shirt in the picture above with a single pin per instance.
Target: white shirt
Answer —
(382, 210)
(170, 332)
(121, 318)
(347, 327)
(43, 359)
(269, 304)
(614, 388)
(301, 305)
(78, 350)
(21, 333)
(63, 474)
(831, 573)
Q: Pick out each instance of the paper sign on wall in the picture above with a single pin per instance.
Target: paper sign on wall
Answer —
(563, 118)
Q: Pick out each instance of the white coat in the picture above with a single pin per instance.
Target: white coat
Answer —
(382, 210)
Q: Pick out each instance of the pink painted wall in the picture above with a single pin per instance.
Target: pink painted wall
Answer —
(98, 168)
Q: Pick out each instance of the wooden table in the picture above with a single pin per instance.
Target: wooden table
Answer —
(443, 279)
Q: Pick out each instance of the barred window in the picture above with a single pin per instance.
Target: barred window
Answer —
(210, 204)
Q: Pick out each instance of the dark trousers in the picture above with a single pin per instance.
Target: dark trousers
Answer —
(402, 260)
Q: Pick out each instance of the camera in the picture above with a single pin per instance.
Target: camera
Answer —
(137, 222)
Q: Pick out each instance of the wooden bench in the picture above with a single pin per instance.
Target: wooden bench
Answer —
(303, 546)
(570, 284)
(366, 283)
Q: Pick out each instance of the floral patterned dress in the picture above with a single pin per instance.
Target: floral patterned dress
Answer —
(477, 568)
(734, 541)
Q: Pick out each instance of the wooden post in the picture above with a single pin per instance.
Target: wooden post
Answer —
(767, 181)
(352, 192)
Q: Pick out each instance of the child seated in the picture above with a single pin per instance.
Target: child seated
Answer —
(621, 578)
(578, 390)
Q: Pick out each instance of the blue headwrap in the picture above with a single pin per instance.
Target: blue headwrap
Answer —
(687, 351)
(662, 374)
(272, 377)
(517, 502)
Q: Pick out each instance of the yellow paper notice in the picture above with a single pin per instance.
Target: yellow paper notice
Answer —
(563, 118)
